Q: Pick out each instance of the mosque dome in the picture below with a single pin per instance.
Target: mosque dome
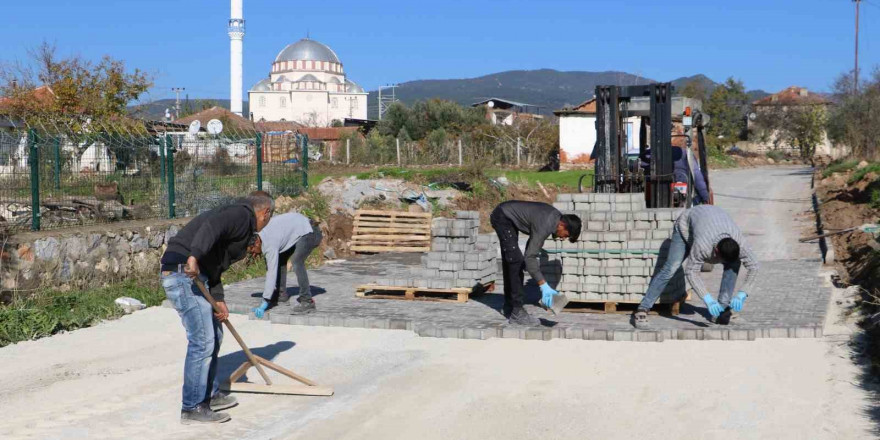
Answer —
(307, 50)
(262, 86)
(352, 87)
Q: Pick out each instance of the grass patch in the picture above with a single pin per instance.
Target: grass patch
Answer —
(50, 311)
(719, 159)
(776, 155)
(859, 174)
(563, 179)
(839, 166)
(567, 179)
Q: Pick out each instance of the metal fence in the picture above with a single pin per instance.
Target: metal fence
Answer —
(98, 176)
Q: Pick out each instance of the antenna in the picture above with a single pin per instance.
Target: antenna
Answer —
(386, 101)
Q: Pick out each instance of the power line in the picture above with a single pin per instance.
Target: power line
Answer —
(177, 91)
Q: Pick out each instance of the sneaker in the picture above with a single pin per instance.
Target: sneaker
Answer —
(202, 414)
(506, 310)
(724, 317)
(222, 400)
(519, 316)
(303, 307)
(283, 297)
(640, 320)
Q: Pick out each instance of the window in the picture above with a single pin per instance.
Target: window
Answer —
(262, 101)
(283, 102)
(334, 103)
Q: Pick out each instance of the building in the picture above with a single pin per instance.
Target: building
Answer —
(577, 126)
(760, 141)
(506, 112)
(577, 132)
(307, 85)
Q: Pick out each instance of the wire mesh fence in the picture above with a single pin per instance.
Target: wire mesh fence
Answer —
(99, 174)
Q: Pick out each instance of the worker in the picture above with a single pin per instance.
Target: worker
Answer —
(681, 171)
(701, 234)
(205, 248)
(287, 235)
(539, 221)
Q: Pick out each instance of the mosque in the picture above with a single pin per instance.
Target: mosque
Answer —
(307, 85)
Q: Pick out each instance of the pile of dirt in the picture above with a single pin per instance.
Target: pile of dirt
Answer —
(351, 193)
(337, 235)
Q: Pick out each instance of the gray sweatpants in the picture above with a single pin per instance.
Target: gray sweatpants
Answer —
(299, 252)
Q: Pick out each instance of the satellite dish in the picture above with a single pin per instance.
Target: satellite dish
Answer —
(215, 126)
(194, 126)
(167, 114)
(491, 104)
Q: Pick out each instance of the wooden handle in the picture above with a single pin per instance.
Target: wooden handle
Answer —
(247, 352)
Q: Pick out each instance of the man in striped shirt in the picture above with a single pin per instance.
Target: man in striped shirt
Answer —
(705, 234)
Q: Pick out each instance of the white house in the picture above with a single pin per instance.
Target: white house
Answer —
(577, 132)
(308, 85)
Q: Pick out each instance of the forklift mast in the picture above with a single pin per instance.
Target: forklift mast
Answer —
(612, 173)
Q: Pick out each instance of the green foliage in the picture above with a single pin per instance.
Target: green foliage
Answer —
(50, 311)
(800, 127)
(428, 116)
(695, 89)
(855, 120)
(875, 198)
(859, 174)
(840, 166)
(719, 159)
(727, 107)
(776, 155)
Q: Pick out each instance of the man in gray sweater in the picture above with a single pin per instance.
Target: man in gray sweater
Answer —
(538, 221)
(287, 236)
(705, 234)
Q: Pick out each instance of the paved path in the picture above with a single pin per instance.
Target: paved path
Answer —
(772, 206)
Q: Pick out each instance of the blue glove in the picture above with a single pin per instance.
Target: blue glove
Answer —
(547, 293)
(258, 311)
(737, 302)
(714, 307)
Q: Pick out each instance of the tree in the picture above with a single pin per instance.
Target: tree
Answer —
(801, 127)
(694, 89)
(855, 121)
(83, 91)
(726, 107)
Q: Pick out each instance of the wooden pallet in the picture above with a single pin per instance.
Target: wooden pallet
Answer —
(391, 231)
(457, 294)
(620, 308)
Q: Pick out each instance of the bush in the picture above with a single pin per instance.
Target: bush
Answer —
(840, 166)
(776, 155)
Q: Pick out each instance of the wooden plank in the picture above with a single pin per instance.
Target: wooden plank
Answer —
(368, 287)
(614, 307)
(295, 389)
(381, 229)
(381, 237)
(390, 249)
(395, 213)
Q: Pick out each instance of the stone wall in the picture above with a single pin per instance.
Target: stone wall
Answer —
(88, 256)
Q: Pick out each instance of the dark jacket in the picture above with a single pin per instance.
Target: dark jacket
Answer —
(216, 238)
(537, 220)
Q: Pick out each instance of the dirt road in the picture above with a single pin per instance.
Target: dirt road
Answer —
(121, 380)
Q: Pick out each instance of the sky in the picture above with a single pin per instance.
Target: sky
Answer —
(768, 44)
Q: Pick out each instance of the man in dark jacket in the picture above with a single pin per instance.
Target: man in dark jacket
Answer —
(538, 221)
(205, 248)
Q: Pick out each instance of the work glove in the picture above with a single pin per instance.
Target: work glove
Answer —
(547, 293)
(714, 307)
(259, 311)
(737, 302)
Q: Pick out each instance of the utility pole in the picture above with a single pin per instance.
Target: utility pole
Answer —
(177, 90)
(385, 102)
(856, 83)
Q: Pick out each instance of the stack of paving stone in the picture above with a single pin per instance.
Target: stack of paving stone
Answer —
(460, 257)
(621, 246)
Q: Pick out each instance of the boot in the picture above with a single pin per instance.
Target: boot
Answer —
(202, 414)
(519, 316)
(303, 307)
(640, 319)
(222, 401)
(724, 317)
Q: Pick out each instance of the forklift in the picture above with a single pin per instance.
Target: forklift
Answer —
(616, 171)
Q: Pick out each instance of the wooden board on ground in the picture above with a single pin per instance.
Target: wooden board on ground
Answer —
(623, 308)
(391, 231)
(457, 294)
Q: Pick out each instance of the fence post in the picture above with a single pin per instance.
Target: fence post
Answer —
(161, 145)
(398, 151)
(58, 162)
(348, 151)
(34, 159)
(169, 154)
(305, 160)
(459, 152)
(518, 146)
(259, 161)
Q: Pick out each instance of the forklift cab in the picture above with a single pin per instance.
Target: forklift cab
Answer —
(655, 110)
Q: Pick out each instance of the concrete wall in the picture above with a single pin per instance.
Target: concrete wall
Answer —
(577, 135)
(89, 256)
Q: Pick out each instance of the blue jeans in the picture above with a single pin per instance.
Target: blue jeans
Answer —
(677, 253)
(204, 334)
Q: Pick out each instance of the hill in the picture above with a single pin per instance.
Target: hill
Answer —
(155, 110)
(547, 88)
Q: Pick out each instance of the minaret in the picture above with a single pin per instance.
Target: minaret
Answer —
(236, 35)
